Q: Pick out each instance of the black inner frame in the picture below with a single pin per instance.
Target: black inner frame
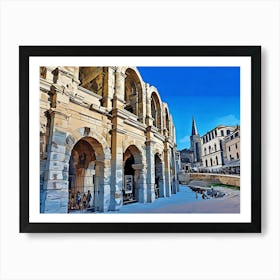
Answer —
(250, 51)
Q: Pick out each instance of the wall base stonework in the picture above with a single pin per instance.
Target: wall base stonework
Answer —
(232, 180)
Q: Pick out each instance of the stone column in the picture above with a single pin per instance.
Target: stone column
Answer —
(162, 190)
(120, 84)
(102, 186)
(109, 87)
(149, 119)
(117, 141)
(141, 186)
(175, 171)
(150, 172)
(167, 170)
(143, 106)
(88, 180)
(55, 188)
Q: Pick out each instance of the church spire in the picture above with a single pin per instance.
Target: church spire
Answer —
(194, 129)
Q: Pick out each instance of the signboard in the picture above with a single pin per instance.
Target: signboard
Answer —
(128, 183)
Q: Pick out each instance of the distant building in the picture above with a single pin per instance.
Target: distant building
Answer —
(186, 156)
(213, 146)
(218, 150)
(232, 151)
(195, 146)
(191, 158)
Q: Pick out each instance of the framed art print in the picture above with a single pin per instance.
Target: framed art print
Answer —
(140, 138)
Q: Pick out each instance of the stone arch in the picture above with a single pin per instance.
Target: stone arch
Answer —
(156, 110)
(135, 151)
(133, 174)
(76, 135)
(86, 174)
(92, 78)
(99, 167)
(166, 119)
(133, 91)
(159, 175)
(158, 149)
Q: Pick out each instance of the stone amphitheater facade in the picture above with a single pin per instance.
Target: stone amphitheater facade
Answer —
(103, 130)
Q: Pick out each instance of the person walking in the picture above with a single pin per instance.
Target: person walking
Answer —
(84, 201)
(88, 198)
(78, 200)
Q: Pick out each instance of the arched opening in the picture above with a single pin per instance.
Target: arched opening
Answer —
(211, 162)
(206, 163)
(159, 181)
(156, 110)
(132, 163)
(86, 175)
(217, 162)
(167, 122)
(92, 78)
(133, 93)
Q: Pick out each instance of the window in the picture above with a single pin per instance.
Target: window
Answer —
(215, 132)
(236, 134)
(228, 132)
(209, 149)
(229, 149)
(237, 155)
(217, 160)
(236, 145)
(206, 163)
(215, 147)
(222, 133)
(204, 151)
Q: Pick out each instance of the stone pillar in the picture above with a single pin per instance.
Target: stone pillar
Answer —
(120, 84)
(102, 186)
(176, 170)
(150, 172)
(167, 170)
(149, 119)
(109, 87)
(117, 141)
(55, 188)
(143, 106)
(162, 189)
(88, 180)
(141, 186)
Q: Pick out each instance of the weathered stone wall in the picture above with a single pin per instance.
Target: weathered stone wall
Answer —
(185, 178)
(92, 109)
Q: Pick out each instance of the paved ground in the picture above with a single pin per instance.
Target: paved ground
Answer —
(185, 201)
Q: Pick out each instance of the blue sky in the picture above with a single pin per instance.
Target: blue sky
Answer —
(210, 94)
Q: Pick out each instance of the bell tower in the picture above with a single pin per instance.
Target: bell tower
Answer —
(195, 144)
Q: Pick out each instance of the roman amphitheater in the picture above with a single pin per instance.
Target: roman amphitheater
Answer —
(106, 131)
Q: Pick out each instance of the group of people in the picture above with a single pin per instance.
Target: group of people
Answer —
(81, 202)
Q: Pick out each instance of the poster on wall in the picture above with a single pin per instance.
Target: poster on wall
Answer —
(128, 184)
(184, 120)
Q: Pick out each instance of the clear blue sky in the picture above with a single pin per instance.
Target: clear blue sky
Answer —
(210, 94)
